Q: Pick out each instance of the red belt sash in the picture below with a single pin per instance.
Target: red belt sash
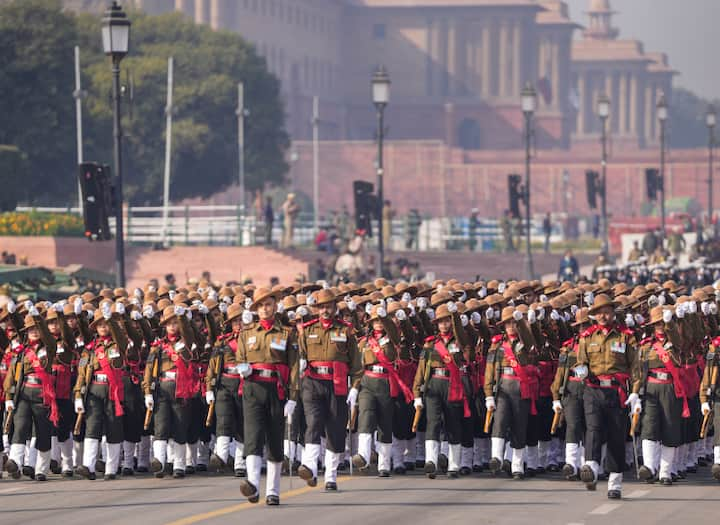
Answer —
(339, 376)
(527, 376)
(393, 377)
(619, 378)
(116, 391)
(63, 380)
(456, 390)
(282, 372)
(677, 375)
(48, 391)
(406, 370)
(547, 375)
(183, 379)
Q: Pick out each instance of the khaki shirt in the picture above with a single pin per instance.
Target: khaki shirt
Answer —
(45, 350)
(430, 358)
(89, 362)
(567, 360)
(711, 372)
(614, 352)
(337, 343)
(165, 363)
(367, 351)
(275, 346)
(496, 357)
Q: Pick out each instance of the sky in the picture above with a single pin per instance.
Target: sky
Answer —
(684, 29)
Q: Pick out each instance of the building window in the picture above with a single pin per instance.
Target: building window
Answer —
(379, 31)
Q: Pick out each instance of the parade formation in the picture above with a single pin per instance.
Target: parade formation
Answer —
(516, 378)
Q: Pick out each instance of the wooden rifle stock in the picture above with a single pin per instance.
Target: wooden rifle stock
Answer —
(8, 422)
(708, 417)
(557, 419)
(634, 424)
(416, 419)
(78, 424)
(488, 420)
(211, 413)
(353, 417)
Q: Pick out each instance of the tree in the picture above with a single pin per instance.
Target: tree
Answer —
(687, 127)
(13, 171)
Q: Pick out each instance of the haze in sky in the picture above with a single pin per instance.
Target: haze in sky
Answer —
(684, 29)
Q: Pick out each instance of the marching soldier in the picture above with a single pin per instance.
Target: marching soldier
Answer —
(608, 361)
(30, 395)
(268, 360)
(330, 350)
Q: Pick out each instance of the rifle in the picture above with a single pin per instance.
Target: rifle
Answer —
(155, 386)
(557, 417)
(497, 364)
(636, 417)
(221, 366)
(708, 417)
(19, 376)
(84, 393)
(426, 378)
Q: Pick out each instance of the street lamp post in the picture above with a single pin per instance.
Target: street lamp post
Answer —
(116, 43)
(603, 109)
(381, 97)
(662, 115)
(529, 102)
(710, 121)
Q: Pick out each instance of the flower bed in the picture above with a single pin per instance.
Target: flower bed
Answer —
(41, 224)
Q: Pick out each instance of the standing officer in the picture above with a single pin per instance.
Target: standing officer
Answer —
(330, 350)
(267, 358)
(608, 358)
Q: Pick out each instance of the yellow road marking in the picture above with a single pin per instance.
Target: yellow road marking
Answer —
(234, 508)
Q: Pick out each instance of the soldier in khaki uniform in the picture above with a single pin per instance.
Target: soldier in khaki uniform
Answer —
(329, 348)
(30, 384)
(709, 392)
(608, 360)
(510, 388)
(267, 357)
(167, 384)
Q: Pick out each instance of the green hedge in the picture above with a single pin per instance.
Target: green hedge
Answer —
(41, 224)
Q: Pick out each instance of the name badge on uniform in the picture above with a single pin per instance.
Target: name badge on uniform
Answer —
(42, 353)
(383, 341)
(60, 349)
(83, 362)
(453, 348)
(114, 353)
(312, 336)
(278, 344)
(618, 348)
(338, 337)
(251, 340)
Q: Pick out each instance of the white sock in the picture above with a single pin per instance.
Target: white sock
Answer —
(310, 455)
(272, 481)
(365, 446)
(466, 457)
(531, 456)
(254, 466)
(160, 451)
(42, 463)
(90, 452)
(432, 450)
(650, 454)
(332, 461)
(454, 456)
(615, 481)
(112, 460)
(66, 455)
(666, 460)
(518, 460)
(497, 448)
(239, 456)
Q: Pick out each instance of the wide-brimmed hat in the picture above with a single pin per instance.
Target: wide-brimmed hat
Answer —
(601, 301)
(233, 312)
(260, 294)
(402, 287)
(442, 312)
(97, 317)
(168, 314)
(30, 322)
(324, 296)
(507, 314)
(656, 316)
(582, 316)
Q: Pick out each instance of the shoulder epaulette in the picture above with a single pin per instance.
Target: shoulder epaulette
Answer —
(496, 338)
(310, 322)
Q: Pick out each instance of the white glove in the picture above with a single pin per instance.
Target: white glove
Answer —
(430, 313)
(106, 312)
(291, 315)
(244, 369)
(713, 309)
(629, 321)
(639, 319)
(28, 305)
(705, 308)
(149, 402)
(567, 316)
(633, 401)
(171, 294)
(9, 405)
(223, 307)
(90, 315)
(302, 311)
(532, 316)
(289, 408)
(490, 403)
(680, 310)
(692, 307)
(381, 312)
(204, 310)
(540, 313)
(554, 315)
(368, 308)
(400, 315)
(422, 303)
(227, 299)
(581, 371)
(517, 315)
(209, 396)
(310, 300)
(482, 293)
(188, 314)
(58, 307)
(667, 316)
(247, 317)
(135, 315)
(352, 397)
(119, 308)
(406, 297)
(543, 298)
(452, 307)
(489, 314)
(351, 304)
(464, 319)
(179, 310)
(501, 288)
(135, 301)
(589, 298)
(557, 406)
(705, 408)
(138, 293)
(12, 307)
(79, 407)
(34, 312)
(148, 311)
(652, 301)
(389, 301)
(475, 318)
(382, 303)
(412, 310)
(303, 365)
(418, 402)
(661, 299)
(573, 310)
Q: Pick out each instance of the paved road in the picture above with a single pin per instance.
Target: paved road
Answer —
(403, 499)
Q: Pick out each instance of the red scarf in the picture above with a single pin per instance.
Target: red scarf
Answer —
(456, 391)
(267, 324)
(676, 373)
(116, 391)
(393, 377)
(527, 376)
(326, 323)
(48, 392)
(183, 379)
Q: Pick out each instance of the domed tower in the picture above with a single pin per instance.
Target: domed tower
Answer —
(600, 21)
